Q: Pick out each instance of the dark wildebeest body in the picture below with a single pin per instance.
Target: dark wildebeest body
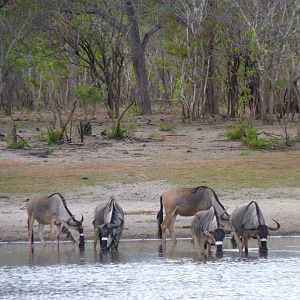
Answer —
(52, 210)
(108, 225)
(248, 222)
(208, 230)
(186, 202)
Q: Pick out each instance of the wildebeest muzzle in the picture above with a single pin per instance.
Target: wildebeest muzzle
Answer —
(262, 231)
(81, 238)
(219, 235)
(106, 236)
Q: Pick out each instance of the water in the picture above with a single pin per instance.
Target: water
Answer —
(141, 270)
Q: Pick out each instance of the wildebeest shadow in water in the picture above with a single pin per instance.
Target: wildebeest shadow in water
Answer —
(107, 257)
(52, 255)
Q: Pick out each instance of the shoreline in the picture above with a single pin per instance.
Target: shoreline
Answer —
(141, 205)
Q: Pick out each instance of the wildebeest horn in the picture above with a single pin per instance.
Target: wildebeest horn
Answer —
(81, 219)
(274, 228)
(111, 225)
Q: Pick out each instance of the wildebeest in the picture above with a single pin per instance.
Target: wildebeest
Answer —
(208, 230)
(52, 209)
(108, 225)
(186, 202)
(248, 222)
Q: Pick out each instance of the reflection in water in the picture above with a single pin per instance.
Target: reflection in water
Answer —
(148, 270)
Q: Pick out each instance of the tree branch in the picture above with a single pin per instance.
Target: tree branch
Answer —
(149, 34)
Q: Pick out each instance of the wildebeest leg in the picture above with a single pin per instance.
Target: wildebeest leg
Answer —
(54, 235)
(58, 231)
(245, 242)
(171, 228)
(238, 241)
(165, 224)
(30, 230)
(96, 236)
(202, 243)
(41, 230)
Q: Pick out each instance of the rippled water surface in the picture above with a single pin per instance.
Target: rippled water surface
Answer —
(142, 270)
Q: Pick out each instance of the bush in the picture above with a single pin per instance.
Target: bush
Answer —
(21, 143)
(116, 132)
(250, 136)
(165, 127)
(53, 136)
(261, 143)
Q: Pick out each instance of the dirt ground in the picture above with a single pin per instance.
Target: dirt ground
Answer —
(140, 200)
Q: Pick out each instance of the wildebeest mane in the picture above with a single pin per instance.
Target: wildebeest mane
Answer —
(202, 188)
(68, 234)
(63, 201)
(257, 210)
(115, 216)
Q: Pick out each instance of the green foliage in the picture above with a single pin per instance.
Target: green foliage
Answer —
(281, 83)
(116, 132)
(20, 143)
(130, 125)
(165, 127)
(88, 94)
(135, 110)
(151, 136)
(51, 150)
(250, 136)
(246, 96)
(53, 136)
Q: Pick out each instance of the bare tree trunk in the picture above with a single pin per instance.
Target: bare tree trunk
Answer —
(263, 102)
(212, 106)
(138, 59)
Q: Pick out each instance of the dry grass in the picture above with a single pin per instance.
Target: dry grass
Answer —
(260, 169)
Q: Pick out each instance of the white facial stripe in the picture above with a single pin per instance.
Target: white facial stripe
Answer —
(218, 243)
(81, 234)
(263, 240)
(104, 239)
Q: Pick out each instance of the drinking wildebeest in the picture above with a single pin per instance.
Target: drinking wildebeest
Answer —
(248, 222)
(52, 209)
(208, 230)
(186, 202)
(108, 225)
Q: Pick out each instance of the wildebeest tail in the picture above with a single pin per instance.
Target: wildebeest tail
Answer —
(160, 219)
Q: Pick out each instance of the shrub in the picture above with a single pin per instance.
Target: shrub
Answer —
(250, 136)
(165, 127)
(20, 143)
(116, 132)
(53, 136)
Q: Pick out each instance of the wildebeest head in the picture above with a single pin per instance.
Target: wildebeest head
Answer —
(219, 235)
(108, 224)
(262, 231)
(108, 234)
(76, 230)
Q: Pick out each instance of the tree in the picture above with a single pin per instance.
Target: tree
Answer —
(131, 31)
(274, 29)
